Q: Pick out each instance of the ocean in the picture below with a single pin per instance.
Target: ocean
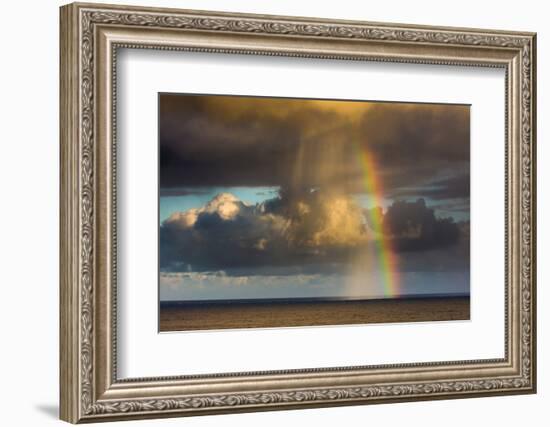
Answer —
(281, 312)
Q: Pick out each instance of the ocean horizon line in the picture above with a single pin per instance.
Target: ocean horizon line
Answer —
(287, 300)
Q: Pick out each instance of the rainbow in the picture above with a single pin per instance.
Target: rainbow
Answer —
(386, 256)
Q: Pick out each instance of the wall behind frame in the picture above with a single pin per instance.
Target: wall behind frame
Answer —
(29, 171)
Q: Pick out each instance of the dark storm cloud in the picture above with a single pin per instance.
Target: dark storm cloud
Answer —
(414, 226)
(232, 141)
(295, 229)
(223, 141)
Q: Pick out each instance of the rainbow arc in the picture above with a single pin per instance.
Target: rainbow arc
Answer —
(386, 256)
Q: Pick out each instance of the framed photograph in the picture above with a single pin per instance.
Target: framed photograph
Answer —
(264, 212)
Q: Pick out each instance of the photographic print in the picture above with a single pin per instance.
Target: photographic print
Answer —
(277, 212)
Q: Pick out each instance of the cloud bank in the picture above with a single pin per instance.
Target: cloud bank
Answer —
(303, 228)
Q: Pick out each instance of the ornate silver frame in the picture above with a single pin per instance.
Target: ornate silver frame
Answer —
(90, 36)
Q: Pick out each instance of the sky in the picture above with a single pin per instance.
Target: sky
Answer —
(281, 198)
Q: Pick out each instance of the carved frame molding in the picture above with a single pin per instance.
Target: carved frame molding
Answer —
(90, 37)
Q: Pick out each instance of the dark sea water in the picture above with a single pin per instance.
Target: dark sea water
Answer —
(279, 312)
